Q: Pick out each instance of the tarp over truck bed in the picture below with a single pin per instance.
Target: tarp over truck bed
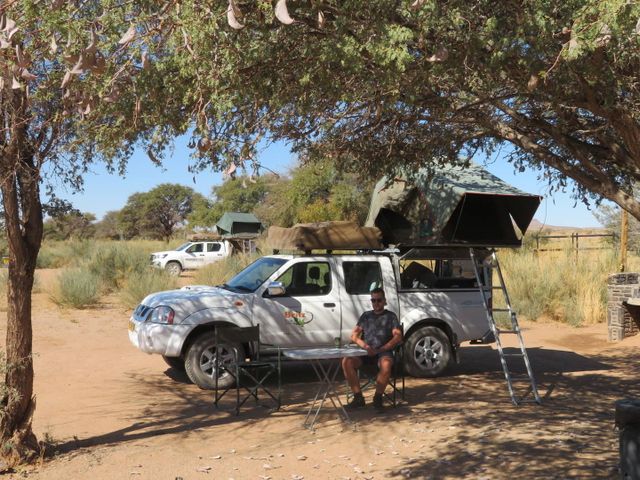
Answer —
(454, 206)
(340, 235)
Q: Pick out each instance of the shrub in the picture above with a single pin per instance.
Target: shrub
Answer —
(219, 272)
(59, 254)
(140, 284)
(76, 288)
(115, 263)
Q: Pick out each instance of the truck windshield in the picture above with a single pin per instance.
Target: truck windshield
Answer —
(249, 279)
(183, 246)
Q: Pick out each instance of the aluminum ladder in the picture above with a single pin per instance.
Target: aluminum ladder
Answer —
(488, 266)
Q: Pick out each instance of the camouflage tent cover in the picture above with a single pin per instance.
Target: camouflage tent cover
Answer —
(339, 235)
(454, 206)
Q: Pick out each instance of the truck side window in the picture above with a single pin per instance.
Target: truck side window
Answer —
(361, 277)
(457, 273)
(423, 274)
(418, 274)
(307, 278)
(195, 248)
(213, 247)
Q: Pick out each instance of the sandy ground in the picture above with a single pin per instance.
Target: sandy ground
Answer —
(112, 412)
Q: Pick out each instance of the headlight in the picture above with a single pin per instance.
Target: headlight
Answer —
(162, 314)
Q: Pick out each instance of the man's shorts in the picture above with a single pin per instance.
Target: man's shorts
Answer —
(375, 359)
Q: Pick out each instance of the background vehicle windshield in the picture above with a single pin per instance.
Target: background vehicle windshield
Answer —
(183, 246)
(249, 279)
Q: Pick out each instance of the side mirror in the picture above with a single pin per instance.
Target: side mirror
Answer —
(276, 289)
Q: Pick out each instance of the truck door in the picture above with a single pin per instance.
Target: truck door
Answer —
(215, 251)
(361, 275)
(194, 255)
(309, 313)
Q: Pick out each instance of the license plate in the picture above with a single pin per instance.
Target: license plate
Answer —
(132, 325)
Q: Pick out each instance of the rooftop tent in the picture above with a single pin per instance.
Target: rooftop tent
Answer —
(235, 223)
(452, 206)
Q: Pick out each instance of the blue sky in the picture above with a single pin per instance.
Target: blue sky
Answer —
(104, 192)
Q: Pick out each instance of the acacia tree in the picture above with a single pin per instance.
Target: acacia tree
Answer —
(315, 192)
(77, 84)
(159, 211)
(415, 83)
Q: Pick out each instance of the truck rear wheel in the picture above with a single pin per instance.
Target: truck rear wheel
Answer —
(427, 352)
(199, 362)
(173, 268)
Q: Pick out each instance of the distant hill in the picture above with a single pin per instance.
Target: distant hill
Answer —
(536, 226)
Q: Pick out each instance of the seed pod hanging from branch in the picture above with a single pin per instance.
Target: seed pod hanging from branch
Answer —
(234, 15)
(128, 36)
(282, 13)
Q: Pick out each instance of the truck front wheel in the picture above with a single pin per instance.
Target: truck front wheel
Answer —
(200, 362)
(427, 352)
(174, 362)
(173, 268)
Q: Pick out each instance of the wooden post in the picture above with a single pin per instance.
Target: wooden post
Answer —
(624, 233)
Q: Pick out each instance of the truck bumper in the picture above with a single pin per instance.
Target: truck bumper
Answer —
(158, 338)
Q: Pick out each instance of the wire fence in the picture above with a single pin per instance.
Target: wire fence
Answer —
(576, 244)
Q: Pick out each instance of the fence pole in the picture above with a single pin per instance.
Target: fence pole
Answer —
(624, 232)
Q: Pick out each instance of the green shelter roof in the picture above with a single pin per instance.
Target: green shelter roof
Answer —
(230, 221)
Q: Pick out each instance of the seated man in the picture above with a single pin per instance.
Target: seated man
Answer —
(378, 332)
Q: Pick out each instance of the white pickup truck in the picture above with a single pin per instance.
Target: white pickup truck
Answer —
(310, 300)
(191, 255)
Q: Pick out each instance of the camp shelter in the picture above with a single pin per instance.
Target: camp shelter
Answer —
(236, 223)
(451, 206)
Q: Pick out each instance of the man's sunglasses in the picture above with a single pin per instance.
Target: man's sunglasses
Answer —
(377, 300)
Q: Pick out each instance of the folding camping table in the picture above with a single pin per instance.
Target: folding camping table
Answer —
(326, 363)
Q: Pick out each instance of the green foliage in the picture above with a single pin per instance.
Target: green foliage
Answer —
(414, 86)
(158, 212)
(219, 272)
(108, 227)
(115, 263)
(73, 225)
(611, 219)
(57, 254)
(76, 288)
(139, 284)
(317, 192)
(240, 194)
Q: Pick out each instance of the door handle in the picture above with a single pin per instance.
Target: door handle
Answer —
(329, 305)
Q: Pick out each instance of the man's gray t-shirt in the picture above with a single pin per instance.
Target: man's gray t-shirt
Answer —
(378, 329)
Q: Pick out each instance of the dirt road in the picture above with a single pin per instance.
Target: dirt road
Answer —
(113, 412)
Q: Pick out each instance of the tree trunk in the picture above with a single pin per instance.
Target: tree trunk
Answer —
(24, 227)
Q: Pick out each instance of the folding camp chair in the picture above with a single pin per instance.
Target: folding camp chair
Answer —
(249, 375)
(368, 374)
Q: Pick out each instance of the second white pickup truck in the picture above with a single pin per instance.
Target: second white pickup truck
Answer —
(310, 300)
(191, 255)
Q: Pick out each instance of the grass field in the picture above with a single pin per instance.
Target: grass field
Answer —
(557, 283)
